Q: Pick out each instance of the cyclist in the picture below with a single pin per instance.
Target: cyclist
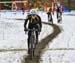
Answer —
(59, 11)
(49, 13)
(34, 22)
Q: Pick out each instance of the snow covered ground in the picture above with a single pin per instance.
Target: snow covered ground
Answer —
(13, 41)
(62, 48)
(12, 37)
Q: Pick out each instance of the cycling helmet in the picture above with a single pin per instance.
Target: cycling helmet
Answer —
(33, 11)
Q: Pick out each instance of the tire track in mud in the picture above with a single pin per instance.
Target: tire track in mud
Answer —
(12, 50)
(42, 44)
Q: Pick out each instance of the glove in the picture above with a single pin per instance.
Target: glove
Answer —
(25, 30)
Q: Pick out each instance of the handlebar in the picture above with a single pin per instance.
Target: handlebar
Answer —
(32, 29)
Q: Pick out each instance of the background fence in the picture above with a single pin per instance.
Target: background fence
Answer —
(70, 4)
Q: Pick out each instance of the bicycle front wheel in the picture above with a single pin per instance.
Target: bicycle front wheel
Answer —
(32, 48)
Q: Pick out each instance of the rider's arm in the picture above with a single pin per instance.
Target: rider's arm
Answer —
(40, 23)
(25, 23)
(26, 20)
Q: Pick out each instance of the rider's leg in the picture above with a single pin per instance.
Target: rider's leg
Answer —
(29, 34)
(51, 17)
(48, 17)
(36, 37)
(57, 15)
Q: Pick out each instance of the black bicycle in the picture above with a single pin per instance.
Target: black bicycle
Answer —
(33, 40)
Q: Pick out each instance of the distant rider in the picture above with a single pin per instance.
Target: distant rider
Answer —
(49, 13)
(59, 10)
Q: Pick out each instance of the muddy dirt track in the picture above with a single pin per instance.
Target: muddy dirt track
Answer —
(43, 43)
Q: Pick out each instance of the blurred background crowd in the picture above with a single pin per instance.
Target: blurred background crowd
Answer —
(37, 4)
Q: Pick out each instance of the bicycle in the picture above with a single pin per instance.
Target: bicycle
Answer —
(32, 44)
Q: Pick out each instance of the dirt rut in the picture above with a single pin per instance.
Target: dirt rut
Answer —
(43, 43)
